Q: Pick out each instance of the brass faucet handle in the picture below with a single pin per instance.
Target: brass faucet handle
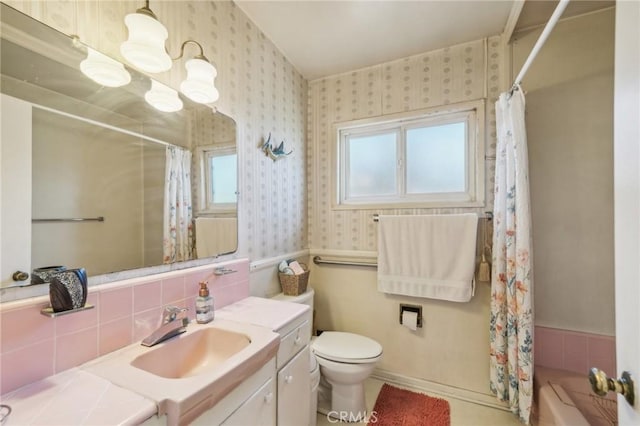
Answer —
(601, 384)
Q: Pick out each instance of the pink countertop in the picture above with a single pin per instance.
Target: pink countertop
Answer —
(76, 397)
(272, 314)
(80, 397)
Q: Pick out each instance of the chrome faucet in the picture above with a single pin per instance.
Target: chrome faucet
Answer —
(170, 327)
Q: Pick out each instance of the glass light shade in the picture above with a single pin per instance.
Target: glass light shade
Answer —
(144, 49)
(199, 85)
(163, 98)
(104, 70)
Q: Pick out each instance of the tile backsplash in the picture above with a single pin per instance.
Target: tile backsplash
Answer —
(33, 346)
(574, 351)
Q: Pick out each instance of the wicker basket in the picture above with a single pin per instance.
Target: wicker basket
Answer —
(294, 285)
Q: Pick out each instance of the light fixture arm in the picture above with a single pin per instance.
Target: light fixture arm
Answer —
(147, 11)
(199, 56)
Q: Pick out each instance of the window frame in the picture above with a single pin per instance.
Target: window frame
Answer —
(205, 203)
(474, 194)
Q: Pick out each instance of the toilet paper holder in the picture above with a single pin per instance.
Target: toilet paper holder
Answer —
(412, 308)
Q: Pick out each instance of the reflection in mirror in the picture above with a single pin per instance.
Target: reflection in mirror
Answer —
(72, 149)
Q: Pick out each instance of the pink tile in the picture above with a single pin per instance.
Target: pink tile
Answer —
(552, 347)
(145, 322)
(147, 296)
(192, 281)
(126, 315)
(26, 365)
(76, 348)
(575, 353)
(115, 335)
(23, 327)
(191, 287)
(116, 304)
(240, 290)
(219, 281)
(602, 354)
(221, 297)
(79, 320)
(240, 275)
(227, 288)
(172, 290)
(242, 268)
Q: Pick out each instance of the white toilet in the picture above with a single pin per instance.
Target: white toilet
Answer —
(346, 360)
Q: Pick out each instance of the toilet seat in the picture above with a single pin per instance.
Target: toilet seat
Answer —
(346, 348)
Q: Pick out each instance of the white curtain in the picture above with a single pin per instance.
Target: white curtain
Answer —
(511, 325)
(178, 224)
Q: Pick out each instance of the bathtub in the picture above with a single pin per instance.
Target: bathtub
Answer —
(564, 398)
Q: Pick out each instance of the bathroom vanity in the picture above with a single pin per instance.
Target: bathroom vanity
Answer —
(293, 323)
(250, 366)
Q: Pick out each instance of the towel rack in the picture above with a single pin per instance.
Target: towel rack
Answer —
(318, 260)
(487, 216)
(71, 219)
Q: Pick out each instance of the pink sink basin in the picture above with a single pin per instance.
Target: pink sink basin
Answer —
(190, 373)
(194, 354)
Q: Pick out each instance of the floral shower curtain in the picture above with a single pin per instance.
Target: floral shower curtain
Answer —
(178, 224)
(511, 325)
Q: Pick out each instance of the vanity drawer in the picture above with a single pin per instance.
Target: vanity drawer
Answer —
(291, 343)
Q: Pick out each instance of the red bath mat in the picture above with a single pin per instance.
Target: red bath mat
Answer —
(400, 407)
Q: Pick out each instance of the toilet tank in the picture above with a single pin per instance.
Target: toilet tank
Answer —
(305, 298)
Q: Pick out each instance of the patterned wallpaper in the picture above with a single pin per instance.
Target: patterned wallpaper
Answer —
(464, 72)
(258, 88)
(264, 93)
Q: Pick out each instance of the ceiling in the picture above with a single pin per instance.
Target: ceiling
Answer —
(323, 37)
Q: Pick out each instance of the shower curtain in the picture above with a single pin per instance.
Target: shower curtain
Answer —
(178, 224)
(511, 324)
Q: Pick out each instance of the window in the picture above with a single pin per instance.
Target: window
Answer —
(429, 159)
(220, 179)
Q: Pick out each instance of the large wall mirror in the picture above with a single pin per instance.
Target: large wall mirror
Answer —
(88, 172)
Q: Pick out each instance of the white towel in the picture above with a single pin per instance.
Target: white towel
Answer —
(216, 235)
(429, 256)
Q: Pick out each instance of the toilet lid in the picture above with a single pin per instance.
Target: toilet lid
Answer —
(345, 347)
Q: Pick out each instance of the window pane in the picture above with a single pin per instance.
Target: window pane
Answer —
(224, 181)
(436, 159)
(372, 165)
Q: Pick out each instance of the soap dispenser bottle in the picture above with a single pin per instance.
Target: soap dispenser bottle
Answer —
(204, 305)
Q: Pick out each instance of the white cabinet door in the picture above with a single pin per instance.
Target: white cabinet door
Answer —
(294, 391)
(627, 200)
(258, 410)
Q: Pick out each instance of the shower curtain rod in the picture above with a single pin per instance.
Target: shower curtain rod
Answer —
(562, 5)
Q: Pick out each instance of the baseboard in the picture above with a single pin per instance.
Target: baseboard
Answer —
(439, 389)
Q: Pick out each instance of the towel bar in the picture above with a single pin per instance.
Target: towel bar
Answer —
(318, 260)
(71, 219)
(487, 215)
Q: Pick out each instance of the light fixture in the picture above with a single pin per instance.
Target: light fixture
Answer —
(199, 85)
(145, 49)
(163, 98)
(104, 70)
